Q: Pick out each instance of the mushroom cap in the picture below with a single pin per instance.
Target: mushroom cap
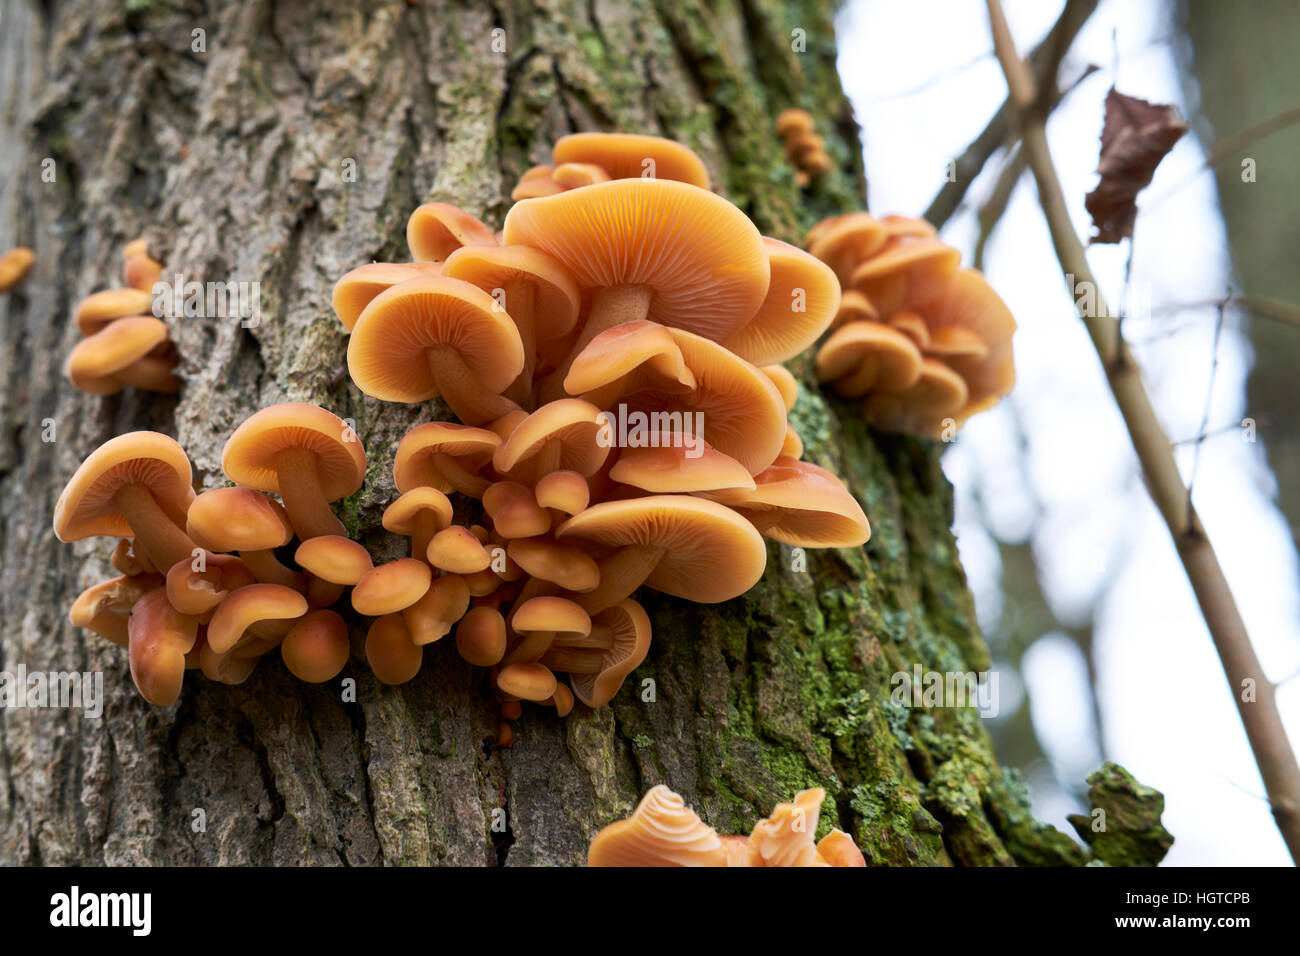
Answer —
(457, 551)
(400, 516)
(442, 605)
(140, 270)
(391, 587)
(245, 607)
(92, 363)
(701, 256)
(910, 269)
(316, 648)
(391, 653)
(838, 849)
(663, 831)
(914, 327)
(801, 302)
(249, 455)
(358, 288)
(565, 491)
(631, 630)
(743, 413)
(514, 510)
(569, 422)
(387, 352)
(105, 607)
(160, 637)
(817, 511)
(101, 308)
(623, 156)
(14, 266)
(334, 558)
(237, 519)
(437, 229)
(710, 553)
(875, 357)
(786, 838)
(481, 636)
(842, 242)
(854, 307)
(793, 120)
(198, 592)
(577, 175)
(548, 613)
(569, 567)
(625, 359)
(669, 469)
(785, 383)
(951, 341)
(413, 465)
(527, 680)
(557, 298)
(940, 393)
(970, 304)
(86, 509)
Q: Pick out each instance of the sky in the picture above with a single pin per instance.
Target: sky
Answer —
(1053, 464)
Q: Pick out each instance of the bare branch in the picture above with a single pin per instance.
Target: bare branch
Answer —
(1259, 713)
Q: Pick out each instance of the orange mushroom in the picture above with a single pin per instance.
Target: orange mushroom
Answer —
(663, 831)
(305, 454)
(633, 156)
(444, 456)
(139, 484)
(119, 354)
(419, 513)
(105, 607)
(435, 336)
(650, 249)
(444, 603)
(437, 229)
(316, 647)
(14, 267)
(863, 357)
(684, 546)
(801, 504)
(597, 673)
(481, 636)
(358, 288)
(801, 301)
(102, 308)
(392, 587)
(334, 559)
(247, 521)
(159, 638)
(391, 653)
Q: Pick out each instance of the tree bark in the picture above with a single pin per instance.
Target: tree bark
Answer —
(232, 161)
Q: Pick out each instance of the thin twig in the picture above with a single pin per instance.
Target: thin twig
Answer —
(1260, 716)
(1209, 402)
(1046, 59)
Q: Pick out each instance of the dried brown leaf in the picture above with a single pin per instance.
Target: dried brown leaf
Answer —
(1134, 139)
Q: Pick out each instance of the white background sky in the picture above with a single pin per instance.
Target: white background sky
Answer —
(923, 82)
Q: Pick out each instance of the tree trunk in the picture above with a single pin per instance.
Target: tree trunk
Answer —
(234, 162)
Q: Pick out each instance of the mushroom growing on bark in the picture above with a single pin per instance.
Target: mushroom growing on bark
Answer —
(305, 454)
(14, 266)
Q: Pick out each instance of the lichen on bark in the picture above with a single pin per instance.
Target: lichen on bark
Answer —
(232, 162)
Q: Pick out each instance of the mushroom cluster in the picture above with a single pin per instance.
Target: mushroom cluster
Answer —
(612, 358)
(804, 149)
(14, 266)
(201, 585)
(663, 831)
(124, 343)
(924, 343)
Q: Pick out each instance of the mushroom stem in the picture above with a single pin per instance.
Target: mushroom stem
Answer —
(601, 638)
(461, 389)
(266, 567)
(520, 296)
(573, 661)
(303, 496)
(426, 526)
(531, 648)
(459, 477)
(621, 574)
(162, 540)
(610, 306)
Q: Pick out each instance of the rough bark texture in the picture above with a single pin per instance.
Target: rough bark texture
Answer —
(231, 161)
